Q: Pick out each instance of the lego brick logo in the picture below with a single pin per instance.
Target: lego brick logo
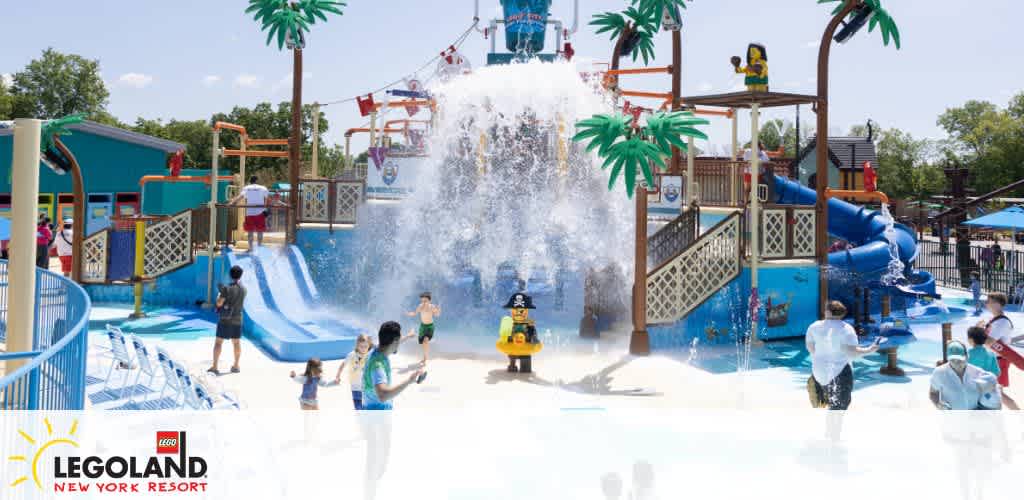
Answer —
(167, 442)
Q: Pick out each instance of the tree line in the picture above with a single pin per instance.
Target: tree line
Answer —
(58, 84)
(981, 136)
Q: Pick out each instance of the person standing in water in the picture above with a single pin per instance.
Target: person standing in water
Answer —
(833, 345)
(427, 312)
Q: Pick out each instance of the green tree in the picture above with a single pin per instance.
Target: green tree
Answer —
(988, 140)
(58, 84)
(906, 166)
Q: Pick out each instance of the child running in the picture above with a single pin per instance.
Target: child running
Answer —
(355, 362)
(311, 380)
(427, 311)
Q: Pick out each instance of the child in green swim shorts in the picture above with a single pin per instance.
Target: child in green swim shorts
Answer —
(427, 312)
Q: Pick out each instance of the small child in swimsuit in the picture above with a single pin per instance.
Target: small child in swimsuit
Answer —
(426, 311)
(311, 380)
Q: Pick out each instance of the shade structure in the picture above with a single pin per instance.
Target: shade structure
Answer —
(1011, 218)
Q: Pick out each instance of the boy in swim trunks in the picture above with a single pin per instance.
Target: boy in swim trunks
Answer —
(426, 311)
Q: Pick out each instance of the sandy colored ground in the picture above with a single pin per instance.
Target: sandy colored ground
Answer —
(582, 374)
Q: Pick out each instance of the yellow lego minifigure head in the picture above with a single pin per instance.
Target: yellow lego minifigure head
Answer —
(520, 305)
(756, 52)
(520, 314)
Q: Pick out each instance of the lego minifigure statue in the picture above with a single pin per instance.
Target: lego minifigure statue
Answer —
(756, 70)
(518, 334)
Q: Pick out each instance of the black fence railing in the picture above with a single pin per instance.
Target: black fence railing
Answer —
(1000, 271)
(675, 237)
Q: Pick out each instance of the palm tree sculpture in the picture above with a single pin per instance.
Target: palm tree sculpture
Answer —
(627, 147)
(634, 30)
(287, 22)
(852, 14)
(61, 160)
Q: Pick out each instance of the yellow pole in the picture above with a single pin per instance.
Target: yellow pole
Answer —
(563, 150)
(21, 271)
(347, 160)
(315, 160)
(691, 186)
(244, 181)
(481, 159)
(373, 128)
(140, 267)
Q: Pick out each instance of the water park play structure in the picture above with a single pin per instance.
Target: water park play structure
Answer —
(497, 199)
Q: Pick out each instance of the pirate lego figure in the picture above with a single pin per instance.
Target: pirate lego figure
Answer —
(518, 335)
(756, 71)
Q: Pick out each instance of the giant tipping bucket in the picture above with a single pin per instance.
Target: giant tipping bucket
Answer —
(525, 22)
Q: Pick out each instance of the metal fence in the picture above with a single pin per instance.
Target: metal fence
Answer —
(674, 237)
(952, 268)
(330, 201)
(53, 376)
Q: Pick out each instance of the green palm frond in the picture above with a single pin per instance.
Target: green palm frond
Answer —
(654, 8)
(281, 18)
(609, 22)
(625, 157)
(602, 131)
(880, 19)
(56, 127)
(644, 46)
(315, 9)
(668, 129)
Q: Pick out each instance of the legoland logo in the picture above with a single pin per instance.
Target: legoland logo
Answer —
(169, 470)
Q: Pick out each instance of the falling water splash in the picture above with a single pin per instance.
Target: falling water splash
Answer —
(493, 192)
(894, 272)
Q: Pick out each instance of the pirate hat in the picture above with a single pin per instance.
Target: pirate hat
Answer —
(520, 301)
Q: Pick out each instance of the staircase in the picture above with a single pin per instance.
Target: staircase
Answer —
(682, 282)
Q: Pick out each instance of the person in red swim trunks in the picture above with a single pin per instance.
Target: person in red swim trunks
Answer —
(999, 329)
(256, 210)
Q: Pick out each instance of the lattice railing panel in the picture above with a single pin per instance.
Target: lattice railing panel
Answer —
(804, 233)
(168, 245)
(774, 233)
(675, 237)
(346, 201)
(314, 203)
(94, 258)
(685, 282)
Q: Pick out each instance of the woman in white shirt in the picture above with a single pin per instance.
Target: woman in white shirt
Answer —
(833, 344)
(64, 247)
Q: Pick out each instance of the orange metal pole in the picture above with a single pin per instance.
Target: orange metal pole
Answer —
(250, 153)
(655, 95)
(230, 126)
(857, 195)
(351, 131)
(401, 104)
(639, 71)
(165, 178)
(266, 142)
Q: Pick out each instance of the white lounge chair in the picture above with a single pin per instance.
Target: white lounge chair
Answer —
(145, 368)
(171, 379)
(120, 355)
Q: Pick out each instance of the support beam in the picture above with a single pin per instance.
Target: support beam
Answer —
(755, 220)
(640, 341)
(315, 161)
(21, 270)
(212, 243)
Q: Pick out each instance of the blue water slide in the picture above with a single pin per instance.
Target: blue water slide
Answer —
(862, 227)
(282, 312)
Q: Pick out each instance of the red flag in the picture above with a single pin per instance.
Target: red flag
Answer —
(870, 177)
(176, 162)
(366, 106)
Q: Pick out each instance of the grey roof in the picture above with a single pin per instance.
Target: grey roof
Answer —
(847, 153)
(118, 134)
(853, 152)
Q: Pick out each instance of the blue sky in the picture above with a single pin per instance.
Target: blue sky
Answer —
(190, 58)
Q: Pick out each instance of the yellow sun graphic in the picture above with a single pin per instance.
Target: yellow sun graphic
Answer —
(40, 449)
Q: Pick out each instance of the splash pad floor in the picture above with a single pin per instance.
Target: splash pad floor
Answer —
(572, 373)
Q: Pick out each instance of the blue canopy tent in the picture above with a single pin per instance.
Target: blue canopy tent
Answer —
(1011, 218)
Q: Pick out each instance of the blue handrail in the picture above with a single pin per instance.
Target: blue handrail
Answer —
(54, 379)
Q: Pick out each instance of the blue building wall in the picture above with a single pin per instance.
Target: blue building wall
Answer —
(723, 318)
(181, 288)
(108, 165)
(169, 198)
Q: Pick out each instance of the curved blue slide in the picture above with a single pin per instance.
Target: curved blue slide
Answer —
(865, 229)
(281, 313)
